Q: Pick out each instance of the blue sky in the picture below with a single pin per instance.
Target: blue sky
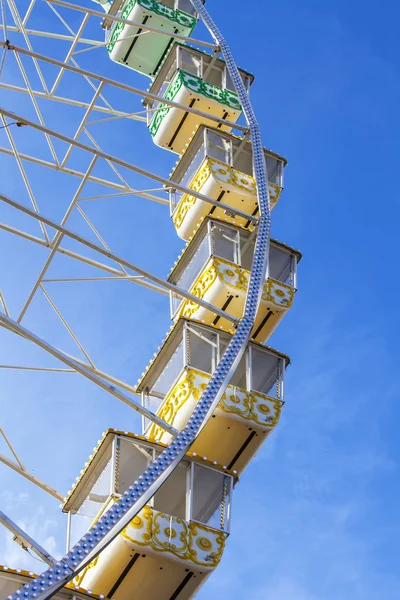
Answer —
(315, 516)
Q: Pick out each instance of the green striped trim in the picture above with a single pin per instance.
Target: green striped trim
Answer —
(177, 16)
(197, 85)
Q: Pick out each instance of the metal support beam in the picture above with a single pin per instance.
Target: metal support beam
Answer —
(139, 280)
(30, 477)
(117, 114)
(125, 190)
(122, 86)
(115, 19)
(169, 286)
(129, 166)
(25, 541)
(29, 335)
(55, 36)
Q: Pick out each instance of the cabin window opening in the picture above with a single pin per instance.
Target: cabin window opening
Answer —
(154, 105)
(171, 497)
(266, 372)
(188, 177)
(170, 372)
(226, 243)
(193, 167)
(227, 82)
(195, 265)
(214, 75)
(134, 458)
(218, 147)
(280, 262)
(185, 5)
(99, 492)
(211, 497)
(189, 62)
(202, 349)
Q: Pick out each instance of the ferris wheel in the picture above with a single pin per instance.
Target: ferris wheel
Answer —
(149, 515)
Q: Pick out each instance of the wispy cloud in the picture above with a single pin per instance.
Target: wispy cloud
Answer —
(307, 520)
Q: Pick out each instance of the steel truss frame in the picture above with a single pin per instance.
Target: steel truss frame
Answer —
(142, 490)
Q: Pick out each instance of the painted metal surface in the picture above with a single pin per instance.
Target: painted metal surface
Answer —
(140, 492)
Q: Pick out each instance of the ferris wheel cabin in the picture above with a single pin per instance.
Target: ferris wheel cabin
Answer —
(141, 49)
(197, 80)
(215, 266)
(174, 542)
(249, 409)
(220, 165)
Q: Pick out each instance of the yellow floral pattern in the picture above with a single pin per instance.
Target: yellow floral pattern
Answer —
(251, 406)
(185, 540)
(226, 175)
(277, 293)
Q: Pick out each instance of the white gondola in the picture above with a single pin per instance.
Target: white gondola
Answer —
(194, 79)
(137, 47)
(219, 165)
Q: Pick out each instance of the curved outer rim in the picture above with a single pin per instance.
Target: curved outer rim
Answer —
(141, 491)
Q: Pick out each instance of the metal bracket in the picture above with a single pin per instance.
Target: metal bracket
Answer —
(25, 541)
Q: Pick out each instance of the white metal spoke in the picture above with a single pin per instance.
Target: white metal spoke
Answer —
(90, 75)
(140, 280)
(36, 106)
(55, 36)
(89, 374)
(93, 228)
(91, 178)
(22, 171)
(3, 303)
(67, 327)
(63, 231)
(82, 123)
(32, 478)
(25, 540)
(116, 19)
(123, 194)
(70, 53)
(41, 369)
(131, 167)
(3, 434)
(21, 27)
(28, 12)
(109, 161)
(4, 20)
(122, 116)
(66, 280)
(103, 109)
(3, 56)
(55, 243)
(136, 35)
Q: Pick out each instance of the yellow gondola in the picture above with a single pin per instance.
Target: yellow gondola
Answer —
(220, 165)
(249, 409)
(215, 266)
(175, 541)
